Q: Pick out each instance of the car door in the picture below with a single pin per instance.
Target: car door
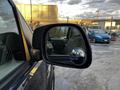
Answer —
(16, 59)
(13, 54)
(44, 75)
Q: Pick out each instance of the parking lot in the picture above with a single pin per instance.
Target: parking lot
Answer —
(103, 74)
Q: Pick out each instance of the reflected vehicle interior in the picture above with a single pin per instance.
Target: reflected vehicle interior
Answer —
(65, 41)
(10, 53)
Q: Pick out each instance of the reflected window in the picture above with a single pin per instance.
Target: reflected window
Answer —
(59, 32)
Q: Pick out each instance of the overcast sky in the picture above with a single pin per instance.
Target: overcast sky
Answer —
(83, 8)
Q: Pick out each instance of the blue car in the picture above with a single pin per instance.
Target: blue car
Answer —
(99, 35)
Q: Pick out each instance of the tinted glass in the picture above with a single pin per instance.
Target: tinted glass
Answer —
(11, 55)
(59, 32)
(99, 31)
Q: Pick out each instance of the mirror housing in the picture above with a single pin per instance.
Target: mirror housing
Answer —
(79, 58)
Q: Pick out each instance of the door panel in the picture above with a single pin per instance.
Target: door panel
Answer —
(39, 80)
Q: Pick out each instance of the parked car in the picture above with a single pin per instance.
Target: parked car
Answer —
(99, 35)
(27, 57)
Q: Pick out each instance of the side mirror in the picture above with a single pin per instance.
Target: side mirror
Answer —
(64, 45)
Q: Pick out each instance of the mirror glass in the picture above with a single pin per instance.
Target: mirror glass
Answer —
(67, 43)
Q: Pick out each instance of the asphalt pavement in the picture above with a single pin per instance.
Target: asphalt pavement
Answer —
(103, 74)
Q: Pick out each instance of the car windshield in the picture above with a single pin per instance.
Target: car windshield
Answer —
(95, 27)
(99, 32)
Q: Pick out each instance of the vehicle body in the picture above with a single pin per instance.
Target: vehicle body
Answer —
(98, 35)
(23, 62)
(15, 35)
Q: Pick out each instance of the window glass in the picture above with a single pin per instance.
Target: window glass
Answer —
(7, 21)
(11, 55)
(59, 32)
(99, 31)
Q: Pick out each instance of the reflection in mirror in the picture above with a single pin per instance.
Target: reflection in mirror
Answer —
(65, 41)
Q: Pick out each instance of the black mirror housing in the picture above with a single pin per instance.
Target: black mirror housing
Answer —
(64, 45)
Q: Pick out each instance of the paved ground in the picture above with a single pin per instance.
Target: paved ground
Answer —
(103, 74)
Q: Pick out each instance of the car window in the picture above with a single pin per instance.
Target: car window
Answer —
(59, 32)
(95, 27)
(7, 21)
(11, 52)
(99, 31)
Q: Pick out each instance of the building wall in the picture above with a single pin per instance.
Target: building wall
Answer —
(106, 25)
(41, 14)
